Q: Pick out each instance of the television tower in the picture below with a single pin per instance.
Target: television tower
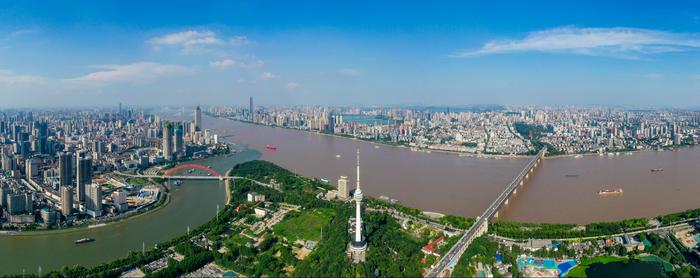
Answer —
(358, 246)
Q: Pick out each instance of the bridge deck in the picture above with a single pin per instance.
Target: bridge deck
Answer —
(480, 227)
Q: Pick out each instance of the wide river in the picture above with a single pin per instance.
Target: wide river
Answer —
(449, 183)
(438, 182)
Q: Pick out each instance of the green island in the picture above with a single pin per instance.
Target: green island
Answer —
(286, 226)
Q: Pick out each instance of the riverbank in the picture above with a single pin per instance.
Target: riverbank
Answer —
(385, 144)
(159, 205)
(462, 154)
(228, 184)
(164, 200)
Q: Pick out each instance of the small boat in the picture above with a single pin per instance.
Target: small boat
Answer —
(337, 156)
(84, 240)
(578, 156)
(657, 170)
(324, 180)
(271, 147)
(376, 147)
(609, 191)
(571, 175)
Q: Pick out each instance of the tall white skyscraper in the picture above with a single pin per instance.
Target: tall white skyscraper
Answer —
(358, 246)
(167, 146)
(93, 202)
(343, 187)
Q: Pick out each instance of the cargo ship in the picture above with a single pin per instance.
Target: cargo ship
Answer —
(609, 191)
(271, 147)
(84, 240)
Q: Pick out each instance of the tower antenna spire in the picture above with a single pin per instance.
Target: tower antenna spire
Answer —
(358, 169)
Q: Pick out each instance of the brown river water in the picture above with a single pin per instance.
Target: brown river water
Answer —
(461, 185)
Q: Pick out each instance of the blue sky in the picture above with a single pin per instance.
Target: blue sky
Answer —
(84, 53)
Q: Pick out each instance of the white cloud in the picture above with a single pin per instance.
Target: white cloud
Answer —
(187, 38)
(292, 86)
(252, 64)
(614, 42)
(136, 72)
(198, 42)
(223, 64)
(266, 75)
(239, 40)
(12, 79)
(349, 72)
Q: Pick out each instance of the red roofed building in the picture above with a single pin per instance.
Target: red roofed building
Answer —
(430, 248)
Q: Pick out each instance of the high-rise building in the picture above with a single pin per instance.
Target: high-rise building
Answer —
(4, 192)
(83, 176)
(65, 169)
(8, 163)
(93, 200)
(343, 187)
(31, 168)
(358, 247)
(66, 200)
(330, 127)
(198, 118)
(119, 199)
(167, 141)
(18, 203)
(251, 110)
(178, 139)
(49, 216)
(42, 134)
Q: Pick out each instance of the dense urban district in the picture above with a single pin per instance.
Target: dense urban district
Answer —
(60, 168)
(489, 130)
(98, 166)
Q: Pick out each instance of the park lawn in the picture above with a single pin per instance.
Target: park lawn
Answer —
(305, 226)
(136, 181)
(580, 269)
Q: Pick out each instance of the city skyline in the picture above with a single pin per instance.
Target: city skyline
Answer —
(87, 54)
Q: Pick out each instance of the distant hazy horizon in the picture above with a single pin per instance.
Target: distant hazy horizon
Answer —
(86, 53)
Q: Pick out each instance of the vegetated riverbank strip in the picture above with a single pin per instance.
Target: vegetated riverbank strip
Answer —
(463, 154)
(633, 232)
(228, 185)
